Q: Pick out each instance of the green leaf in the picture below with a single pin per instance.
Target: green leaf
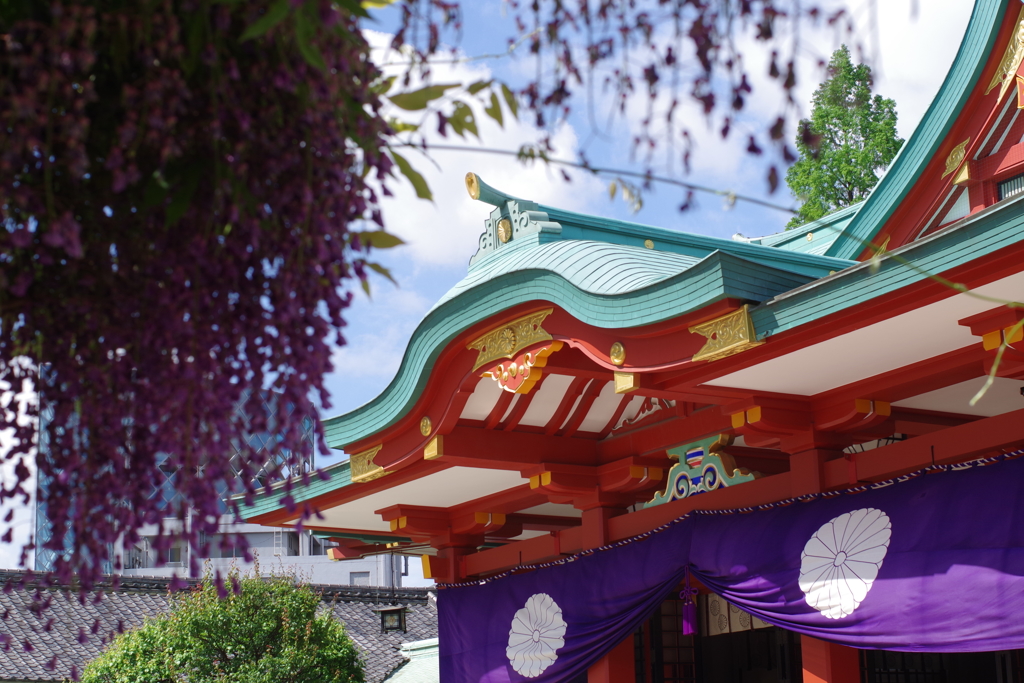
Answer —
(474, 88)
(462, 120)
(510, 100)
(304, 32)
(494, 110)
(418, 99)
(402, 126)
(378, 239)
(383, 85)
(381, 270)
(377, 4)
(417, 180)
(274, 15)
(366, 286)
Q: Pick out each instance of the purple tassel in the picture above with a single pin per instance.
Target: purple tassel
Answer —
(689, 597)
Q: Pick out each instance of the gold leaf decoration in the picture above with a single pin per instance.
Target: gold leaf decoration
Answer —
(956, 156)
(506, 341)
(728, 335)
(362, 467)
(1011, 61)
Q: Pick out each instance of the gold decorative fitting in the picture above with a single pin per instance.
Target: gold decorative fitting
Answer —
(509, 339)
(649, 244)
(810, 237)
(626, 382)
(473, 185)
(955, 157)
(617, 354)
(730, 334)
(434, 449)
(426, 426)
(504, 230)
(362, 467)
(1011, 61)
(522, 373)
(963, 175)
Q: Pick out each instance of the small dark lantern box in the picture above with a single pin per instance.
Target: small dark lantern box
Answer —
(391, 618)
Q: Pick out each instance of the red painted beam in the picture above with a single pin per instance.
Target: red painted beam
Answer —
(513, 555)
(662, 435)
(954, 444)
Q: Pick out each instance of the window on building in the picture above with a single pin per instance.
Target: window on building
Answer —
(317, 546)
(174, 555)
(359, 578)
(1012, 186)
(293, 543)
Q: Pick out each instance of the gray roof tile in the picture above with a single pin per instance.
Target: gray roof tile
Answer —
(45, 644)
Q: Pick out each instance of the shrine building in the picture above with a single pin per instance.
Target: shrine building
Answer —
(629, 454)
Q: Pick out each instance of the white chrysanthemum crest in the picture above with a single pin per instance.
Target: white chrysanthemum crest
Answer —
(535, 636)
(841, 560)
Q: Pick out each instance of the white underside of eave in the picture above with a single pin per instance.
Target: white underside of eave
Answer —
(882, 347)
(444, 489)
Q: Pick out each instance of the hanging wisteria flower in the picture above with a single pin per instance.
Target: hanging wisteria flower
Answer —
(536, 636)
(841, 561)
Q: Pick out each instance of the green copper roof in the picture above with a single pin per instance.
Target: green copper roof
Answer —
(625, 287)
(340, 475)
(812, 238)
(594, 267)
(930, 134)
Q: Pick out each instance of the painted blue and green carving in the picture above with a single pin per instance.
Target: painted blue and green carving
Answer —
(703, 466)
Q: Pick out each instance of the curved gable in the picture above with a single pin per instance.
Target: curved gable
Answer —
(899, 205)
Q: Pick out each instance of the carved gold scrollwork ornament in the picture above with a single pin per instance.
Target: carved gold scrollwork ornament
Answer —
(506, 341)
(1011, 61)
(956, 157)
(728, 335)
(362, 468)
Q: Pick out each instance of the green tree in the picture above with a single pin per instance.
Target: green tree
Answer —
(268, 632)
(848, 141)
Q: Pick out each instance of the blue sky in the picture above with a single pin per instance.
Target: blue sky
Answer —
(913, 57)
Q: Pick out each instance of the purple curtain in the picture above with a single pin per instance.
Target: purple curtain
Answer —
(933, 562)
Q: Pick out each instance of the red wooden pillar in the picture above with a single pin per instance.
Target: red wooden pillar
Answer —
(826, 662)
(617, 666)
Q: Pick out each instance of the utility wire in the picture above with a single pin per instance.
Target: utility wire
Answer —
(729, 195)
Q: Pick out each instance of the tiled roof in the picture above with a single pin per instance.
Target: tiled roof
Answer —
(46, 644)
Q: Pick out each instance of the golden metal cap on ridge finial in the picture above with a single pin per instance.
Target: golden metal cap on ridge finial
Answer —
(483, 192)
(473, 185)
